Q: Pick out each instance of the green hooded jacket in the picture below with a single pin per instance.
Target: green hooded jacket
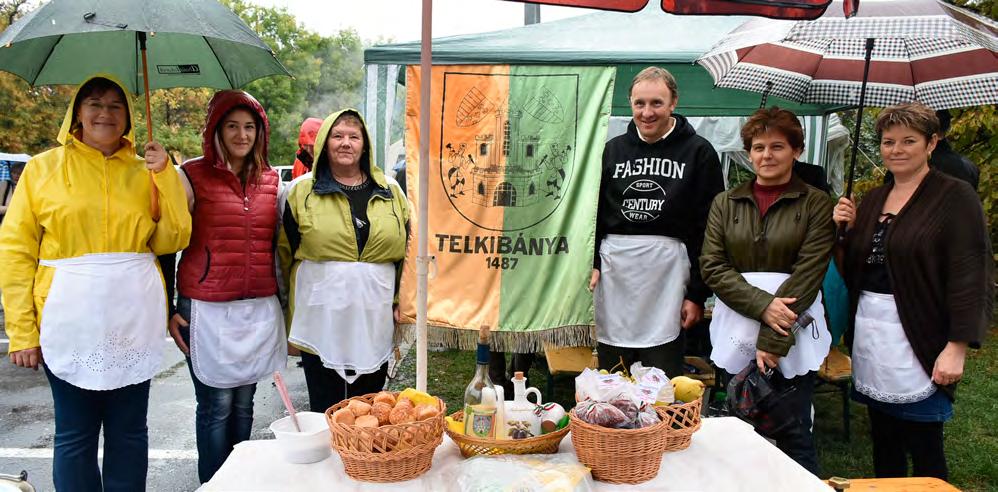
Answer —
(317, 224)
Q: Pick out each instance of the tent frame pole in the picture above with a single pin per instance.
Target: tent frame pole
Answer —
(422, 258)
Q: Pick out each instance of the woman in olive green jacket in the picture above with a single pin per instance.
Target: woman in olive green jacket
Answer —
(765, 253)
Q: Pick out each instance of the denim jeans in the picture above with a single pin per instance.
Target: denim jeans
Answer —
(224, 416)
(79, 415)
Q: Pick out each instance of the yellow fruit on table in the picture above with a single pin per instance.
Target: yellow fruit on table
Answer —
(687, 388)
(418, 397)
(454, 426)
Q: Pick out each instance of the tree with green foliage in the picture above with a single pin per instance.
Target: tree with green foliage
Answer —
(327, 75)
(974, 133)
(30, 120)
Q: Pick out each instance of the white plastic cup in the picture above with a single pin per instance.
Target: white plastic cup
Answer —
(308, 446)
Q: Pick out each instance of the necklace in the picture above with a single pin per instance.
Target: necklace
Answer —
(355, 187)
(357, 181)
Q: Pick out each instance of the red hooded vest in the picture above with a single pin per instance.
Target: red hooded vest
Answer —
(231, 254)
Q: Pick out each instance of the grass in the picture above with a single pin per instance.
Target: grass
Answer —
(971, 437)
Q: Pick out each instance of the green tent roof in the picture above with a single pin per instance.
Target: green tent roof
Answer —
(629, 41)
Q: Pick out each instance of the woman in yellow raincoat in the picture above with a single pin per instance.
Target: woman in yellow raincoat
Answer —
(82, 293)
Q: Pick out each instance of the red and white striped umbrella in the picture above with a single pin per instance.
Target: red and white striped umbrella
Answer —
(923, 50)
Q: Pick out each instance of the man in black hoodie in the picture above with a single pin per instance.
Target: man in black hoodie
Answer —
(658, 181)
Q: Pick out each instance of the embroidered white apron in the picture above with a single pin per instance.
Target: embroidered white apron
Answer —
(642, 284)
(734, 336)
(104, 321)
(343, 313)
(884, 366)
(236, 343)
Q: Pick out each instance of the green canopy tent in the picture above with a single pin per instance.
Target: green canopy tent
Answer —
(629, 41)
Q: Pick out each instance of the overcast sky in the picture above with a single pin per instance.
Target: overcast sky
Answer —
(399, 20)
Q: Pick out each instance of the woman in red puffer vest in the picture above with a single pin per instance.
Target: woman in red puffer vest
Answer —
(228, 319)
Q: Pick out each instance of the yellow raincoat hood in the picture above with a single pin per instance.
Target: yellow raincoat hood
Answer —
(70, 119)
(73, 201)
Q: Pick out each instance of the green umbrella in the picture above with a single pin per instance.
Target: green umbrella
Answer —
(190, 43)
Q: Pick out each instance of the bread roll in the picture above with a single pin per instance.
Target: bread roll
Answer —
(343, 416)
(385, 397)
(425, 411)
(381, 410)
(402, 414)
(359, 408)
(366, 421)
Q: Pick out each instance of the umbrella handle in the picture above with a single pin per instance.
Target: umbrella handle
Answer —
(153, 190)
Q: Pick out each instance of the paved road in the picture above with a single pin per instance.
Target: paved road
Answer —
(27, 426)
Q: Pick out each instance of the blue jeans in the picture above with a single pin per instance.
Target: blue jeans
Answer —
(224, 416)
(79, 415)
(935, 408)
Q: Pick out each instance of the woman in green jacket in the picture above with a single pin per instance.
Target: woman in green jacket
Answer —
(342, 242)
(764, 255)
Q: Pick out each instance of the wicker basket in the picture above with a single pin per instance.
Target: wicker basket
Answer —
(633, 455)
(684, 420)
(474, 446)
(390, 453)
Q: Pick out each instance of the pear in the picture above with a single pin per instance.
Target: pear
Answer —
(687, 388)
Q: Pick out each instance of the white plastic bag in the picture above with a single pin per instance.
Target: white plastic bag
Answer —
(520, 473)
(587, 385)
(653, 381)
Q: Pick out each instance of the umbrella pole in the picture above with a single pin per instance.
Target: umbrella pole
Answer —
(856, 132)
(153, 191)
(422, 258)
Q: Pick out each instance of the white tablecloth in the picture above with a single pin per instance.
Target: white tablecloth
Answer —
(725, 455)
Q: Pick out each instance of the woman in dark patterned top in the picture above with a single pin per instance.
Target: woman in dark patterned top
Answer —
(917, 262)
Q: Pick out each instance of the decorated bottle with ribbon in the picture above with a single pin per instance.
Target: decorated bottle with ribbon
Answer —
(480, 395)
(522, 418)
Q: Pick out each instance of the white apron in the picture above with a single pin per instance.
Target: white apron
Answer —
(343, 313)
(236, 343)
(734, 336)
(642, 284)
(104, 320)
(884, 366)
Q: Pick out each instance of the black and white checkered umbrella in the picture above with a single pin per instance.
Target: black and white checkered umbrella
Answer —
(923, 50)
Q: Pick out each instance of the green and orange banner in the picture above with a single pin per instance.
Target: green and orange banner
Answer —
(514, 176)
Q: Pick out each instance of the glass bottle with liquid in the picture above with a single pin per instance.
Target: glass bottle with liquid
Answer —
(480, 395)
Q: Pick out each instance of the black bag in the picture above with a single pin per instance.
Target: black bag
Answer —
(763, 400)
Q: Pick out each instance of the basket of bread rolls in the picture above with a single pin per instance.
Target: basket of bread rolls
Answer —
(387, 436)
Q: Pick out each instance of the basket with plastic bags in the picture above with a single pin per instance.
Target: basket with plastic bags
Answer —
(623, 422)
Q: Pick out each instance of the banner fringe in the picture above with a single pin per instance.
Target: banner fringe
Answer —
(501, 341)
